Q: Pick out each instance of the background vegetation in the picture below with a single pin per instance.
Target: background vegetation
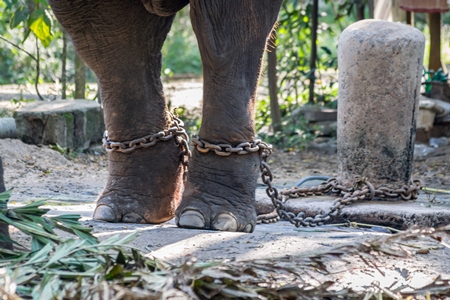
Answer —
(34, 49)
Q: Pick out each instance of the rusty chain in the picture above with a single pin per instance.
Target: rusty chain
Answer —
(175, 131)
(226, 149)
(362, 189)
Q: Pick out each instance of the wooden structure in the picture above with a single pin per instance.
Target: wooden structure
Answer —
(434, 8)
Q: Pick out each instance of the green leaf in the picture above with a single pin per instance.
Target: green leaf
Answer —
(40, 220)
(38, 243)
(40, 255)
(64, 249)
(4, 198)
(86, 236)
(26, 33)
(32, 208)
(117, 241)
(4, 238)
(41, 26)
(326, 50)
(47, 288)
(115, 272)
(8, 4)
(19, 16)
(120, 259)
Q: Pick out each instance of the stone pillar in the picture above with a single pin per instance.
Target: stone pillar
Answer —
(380, 69)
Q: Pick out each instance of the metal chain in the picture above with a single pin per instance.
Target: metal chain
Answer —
(175, 131)
(226, 149)
(362, 189)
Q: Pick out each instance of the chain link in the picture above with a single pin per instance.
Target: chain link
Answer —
(175, 131)
(362, 189)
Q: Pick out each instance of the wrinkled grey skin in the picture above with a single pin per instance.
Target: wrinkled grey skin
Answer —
(121, 41)
(3, 227)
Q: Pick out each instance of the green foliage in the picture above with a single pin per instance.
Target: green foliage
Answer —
(180, 52)
(32, 16)
(40, 24)
(191, 118)
(294, 52)
(431, 76)
(30, 220)
(295, 134)
(19, 18)
(16, 103)
(58, 148)
(293, 63)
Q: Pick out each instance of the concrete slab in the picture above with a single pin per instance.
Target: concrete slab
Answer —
(172, 244)
(427, 211)
(169, 243)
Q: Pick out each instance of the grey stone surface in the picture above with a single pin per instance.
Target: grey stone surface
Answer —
(72, 124)
(166, 241)
(426, 211)
(380, 68)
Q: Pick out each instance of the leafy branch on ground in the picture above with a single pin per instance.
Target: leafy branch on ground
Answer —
(86, 268)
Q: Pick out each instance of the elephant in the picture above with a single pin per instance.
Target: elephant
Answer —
(121, 42)
(2, 182)
(3, 226)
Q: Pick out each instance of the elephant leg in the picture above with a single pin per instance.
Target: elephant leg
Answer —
(121, 41)
(232, 35)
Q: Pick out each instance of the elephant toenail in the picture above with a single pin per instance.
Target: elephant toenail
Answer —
(225, 222)
(104, 213)
(133, 218)
(191, 219)
(249, 228)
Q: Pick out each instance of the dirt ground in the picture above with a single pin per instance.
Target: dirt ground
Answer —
(40, 172)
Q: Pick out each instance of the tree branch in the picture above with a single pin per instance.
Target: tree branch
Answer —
(18, 47)
(38, 71)
(36, 59)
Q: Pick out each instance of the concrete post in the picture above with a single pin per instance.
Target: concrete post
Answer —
(380, 69)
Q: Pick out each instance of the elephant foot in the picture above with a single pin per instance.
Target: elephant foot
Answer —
(220, 193)
(108, 214)
(144, 186)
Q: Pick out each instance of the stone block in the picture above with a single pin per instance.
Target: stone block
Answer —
(72, 124)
